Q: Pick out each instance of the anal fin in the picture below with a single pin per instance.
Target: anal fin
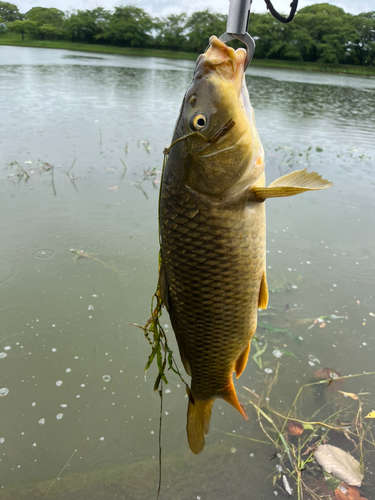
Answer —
(263, 293)
(230, 397)
(289, 185)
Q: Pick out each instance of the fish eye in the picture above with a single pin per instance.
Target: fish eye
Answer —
(198, 122)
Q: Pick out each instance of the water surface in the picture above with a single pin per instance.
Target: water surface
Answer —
(75, 404)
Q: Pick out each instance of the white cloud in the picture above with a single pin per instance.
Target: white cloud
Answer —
(165, 7)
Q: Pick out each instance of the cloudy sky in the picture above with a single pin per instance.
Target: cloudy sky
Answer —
(165, 7)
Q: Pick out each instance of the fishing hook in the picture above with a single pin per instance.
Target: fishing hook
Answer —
(238, 20)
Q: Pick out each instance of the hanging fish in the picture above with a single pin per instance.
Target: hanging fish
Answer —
(212, 230)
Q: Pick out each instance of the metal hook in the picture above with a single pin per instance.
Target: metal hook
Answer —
(245, 39)
(238, 19)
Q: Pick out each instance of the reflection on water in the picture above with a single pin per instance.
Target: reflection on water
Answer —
(73, 393)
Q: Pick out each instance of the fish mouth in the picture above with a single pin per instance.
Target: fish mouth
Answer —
(225, 61)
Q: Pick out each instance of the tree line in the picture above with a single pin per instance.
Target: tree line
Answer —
(319, 33)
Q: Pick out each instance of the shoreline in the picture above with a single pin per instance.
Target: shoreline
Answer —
(169, 54)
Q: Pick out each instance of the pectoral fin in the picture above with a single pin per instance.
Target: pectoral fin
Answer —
(263, 293)
(289, 185)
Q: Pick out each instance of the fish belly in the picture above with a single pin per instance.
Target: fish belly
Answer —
(213, 255)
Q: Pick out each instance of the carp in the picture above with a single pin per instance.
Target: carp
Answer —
(212, 278)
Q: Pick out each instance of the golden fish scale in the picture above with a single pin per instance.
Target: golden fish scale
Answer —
(213, 254)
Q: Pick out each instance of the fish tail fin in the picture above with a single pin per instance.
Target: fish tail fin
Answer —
(198, 423)
(230, 397)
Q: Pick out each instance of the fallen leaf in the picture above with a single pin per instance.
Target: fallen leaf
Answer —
(326, 373)
(345, 492)
(332, 375)
(350, 395)
(314, 487)
(294, 428)
(371, 415)
(340, 464)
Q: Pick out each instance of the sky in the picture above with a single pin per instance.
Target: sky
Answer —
(165, 7)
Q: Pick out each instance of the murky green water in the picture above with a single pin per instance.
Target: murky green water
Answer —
(71, 365)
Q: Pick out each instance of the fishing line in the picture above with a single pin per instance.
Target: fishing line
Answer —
(160, 427)
(85, 438)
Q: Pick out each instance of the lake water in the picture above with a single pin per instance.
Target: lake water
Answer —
(75, 405)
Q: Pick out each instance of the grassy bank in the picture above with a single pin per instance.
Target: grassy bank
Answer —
(15, 39)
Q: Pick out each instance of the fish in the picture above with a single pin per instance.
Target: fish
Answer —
(212, 277)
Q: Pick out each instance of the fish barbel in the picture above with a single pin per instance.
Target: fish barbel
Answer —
(212, 230)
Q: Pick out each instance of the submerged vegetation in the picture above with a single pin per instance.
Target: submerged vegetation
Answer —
(321, 34)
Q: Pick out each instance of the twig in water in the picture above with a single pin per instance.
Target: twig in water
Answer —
(80, 253)
(318, 383)
(53, 180)
(123, 164)
(71, 175)
(21, 172)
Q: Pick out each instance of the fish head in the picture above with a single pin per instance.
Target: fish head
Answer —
(216, 148)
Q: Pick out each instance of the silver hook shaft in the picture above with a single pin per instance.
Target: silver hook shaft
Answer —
(244, 38)
(238, 16)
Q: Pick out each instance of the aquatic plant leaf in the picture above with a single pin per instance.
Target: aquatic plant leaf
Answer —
(151, 358)
(349, 395)
(287, 352)
(371, 415)
(308, 427)
(339, 463)
(271, 329)
(332, 483)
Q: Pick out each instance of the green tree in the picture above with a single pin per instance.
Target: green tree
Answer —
(129, 26)
(171, 31)
(9, 12)
(330, 29)
(87, 25)
(22, 27)
(48, 22)
(363, 44)
(269, 36)
(200, 26)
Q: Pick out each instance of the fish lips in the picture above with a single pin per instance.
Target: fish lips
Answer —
(224, 61)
